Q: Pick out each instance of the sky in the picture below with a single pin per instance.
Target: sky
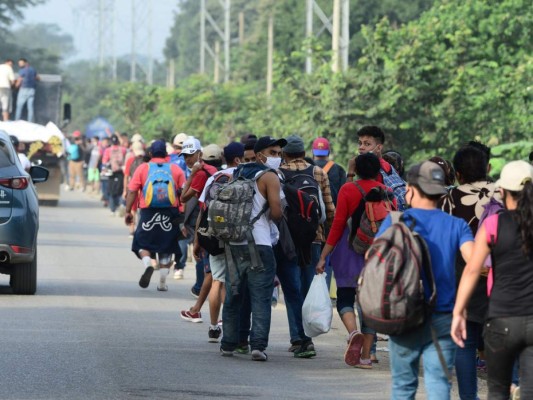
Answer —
(79, 18)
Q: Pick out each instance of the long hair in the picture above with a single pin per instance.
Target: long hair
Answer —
(524, 216)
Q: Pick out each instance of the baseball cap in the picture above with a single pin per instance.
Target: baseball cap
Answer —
(137, 148)
(159, 148)
(295, 144)
(76, 134)
(137, 138)
(179, 139)
(429, 176)
(114, 139)
(191, 146)
(233, 150)
(211, 152)
(515, 175)
(268, 141)
(321, 147)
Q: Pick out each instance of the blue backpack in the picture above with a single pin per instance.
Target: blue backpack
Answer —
(393, 181)
(159, 190)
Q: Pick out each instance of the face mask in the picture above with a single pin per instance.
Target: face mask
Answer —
(273, 162)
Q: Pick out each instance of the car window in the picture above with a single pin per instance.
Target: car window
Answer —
(6, 158)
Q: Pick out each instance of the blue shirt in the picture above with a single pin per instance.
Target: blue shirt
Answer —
(29, 77)
(444, 235)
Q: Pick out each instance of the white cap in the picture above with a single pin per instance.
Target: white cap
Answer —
(137, 138)
(212, 152)
(191, 146)
(137, 148)
(179, 139)
(514, 176)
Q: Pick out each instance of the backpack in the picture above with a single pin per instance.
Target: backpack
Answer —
(159, 190)
(116, 158)
(136, 162)
(391, 293)
(305, 181)
(491, 228)
(206, 241)
(393, 181)
(491, 208)
(377, 205)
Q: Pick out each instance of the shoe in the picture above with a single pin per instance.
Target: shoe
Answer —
(243, 348)
(353, 351)
(258, 355)
(481, 365)
(295, 346)
(195, 293)
(192, 317)
(178, 274)
(226, 353)
(214, 334)
(162, 287)
(374, 359)
(364, 364)
(515, 393)
(306, 350)
(145, 278)
(130, 236)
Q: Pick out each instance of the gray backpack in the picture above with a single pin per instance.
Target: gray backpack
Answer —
(391, 293)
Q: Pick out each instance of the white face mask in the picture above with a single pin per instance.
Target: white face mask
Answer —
(273, 162)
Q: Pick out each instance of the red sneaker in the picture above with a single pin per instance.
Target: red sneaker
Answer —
(353, 351)
(190, 316)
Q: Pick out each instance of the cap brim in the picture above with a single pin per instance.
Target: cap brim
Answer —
(321, 153)
(280, 143)
(432, 189)
(189, 152)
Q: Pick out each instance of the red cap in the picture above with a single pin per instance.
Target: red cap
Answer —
(321, 147)
(76, 134)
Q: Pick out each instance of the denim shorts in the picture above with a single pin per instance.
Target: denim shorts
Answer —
(218, 267)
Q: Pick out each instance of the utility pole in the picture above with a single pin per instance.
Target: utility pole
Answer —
(150, 75)
(216, 74)
(241, 28)
(340, 35)
(133, 60)
(223, 34)
(270, 56)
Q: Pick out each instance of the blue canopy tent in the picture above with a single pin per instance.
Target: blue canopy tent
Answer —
(99, 127)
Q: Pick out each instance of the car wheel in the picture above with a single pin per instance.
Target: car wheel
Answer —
(24, 277)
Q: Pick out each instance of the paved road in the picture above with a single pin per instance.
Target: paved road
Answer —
(90, 332)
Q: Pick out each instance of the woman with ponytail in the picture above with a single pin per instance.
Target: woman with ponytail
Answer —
(508, 238)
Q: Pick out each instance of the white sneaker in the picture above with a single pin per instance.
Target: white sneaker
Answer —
(178, 274)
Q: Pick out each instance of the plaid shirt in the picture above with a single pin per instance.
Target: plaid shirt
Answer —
(323, 181)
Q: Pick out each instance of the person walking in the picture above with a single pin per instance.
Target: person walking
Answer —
(75, 162)
(7, 81)
(508, 238)
(26, 83)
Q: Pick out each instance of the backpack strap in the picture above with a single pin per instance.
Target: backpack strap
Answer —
(358, 186)
(328, 166)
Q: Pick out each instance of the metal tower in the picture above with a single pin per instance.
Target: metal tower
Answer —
(224, 35)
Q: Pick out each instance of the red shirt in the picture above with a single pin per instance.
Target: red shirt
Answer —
(141, 174)
(200, 178)
(347, 202)
(107, 152)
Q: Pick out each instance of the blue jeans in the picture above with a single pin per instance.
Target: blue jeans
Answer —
(465, 362)
(260, 282)
(182, 259)
(289, 275)
(114, 202)
(405, 353)
(25, 96)
(309, 272)
(246, 316)
(200, 271)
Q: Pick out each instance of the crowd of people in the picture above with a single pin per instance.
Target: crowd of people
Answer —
(171, 193)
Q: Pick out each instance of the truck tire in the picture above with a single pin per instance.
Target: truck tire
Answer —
(24, 277)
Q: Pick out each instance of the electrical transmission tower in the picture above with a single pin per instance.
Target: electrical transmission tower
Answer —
(338, 26)
(223, 34)
(141, 38)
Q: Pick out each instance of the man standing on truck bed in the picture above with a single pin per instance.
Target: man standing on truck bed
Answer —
(27, 82)
(7, 80)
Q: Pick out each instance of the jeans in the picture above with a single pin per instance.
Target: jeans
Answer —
(505, 340)
(114, 202)
(346, 301)
(246, 316)
(25, 96)
(309, 272)
(289, 275)
(200, 271)
(181, 255)
(405, 353)
(465, 362)
(260, 282)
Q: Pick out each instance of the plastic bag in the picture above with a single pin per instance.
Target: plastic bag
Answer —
(317, 311)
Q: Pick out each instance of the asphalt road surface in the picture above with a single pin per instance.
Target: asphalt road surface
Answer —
(91, 332)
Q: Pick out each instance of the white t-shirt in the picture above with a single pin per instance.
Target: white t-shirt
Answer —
(26, 164)
(6, 76)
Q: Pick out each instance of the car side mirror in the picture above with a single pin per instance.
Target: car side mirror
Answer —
(39, 174)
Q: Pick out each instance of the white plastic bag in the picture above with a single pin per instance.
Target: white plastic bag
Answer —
(316, 310)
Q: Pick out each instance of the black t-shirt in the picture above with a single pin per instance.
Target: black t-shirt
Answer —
(336, 176)
(512, 293)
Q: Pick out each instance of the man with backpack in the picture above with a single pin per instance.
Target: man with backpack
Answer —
(304, 185)
(75, 155)
(156, 185)
(336, 174)
(371, 140)
(444, 236)
(251, 262)
(132, 163)
(113, 158)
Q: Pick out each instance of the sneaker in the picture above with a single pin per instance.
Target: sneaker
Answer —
(178, 274)
(364, 364)
(145, 278)
(162, 287)
(306, 350)
(481, 365)
(259, 355)
(295, 346)
(353, 351)
(374, 359)
(195, 293)
(515, 393)
(226, 353)
(243, 348)
(190, 316)
(214, 334)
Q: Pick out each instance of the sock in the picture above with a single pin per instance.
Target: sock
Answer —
(147, 261)
(163, 273)
(211, 326)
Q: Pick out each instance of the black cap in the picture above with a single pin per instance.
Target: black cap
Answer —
(268, 141)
